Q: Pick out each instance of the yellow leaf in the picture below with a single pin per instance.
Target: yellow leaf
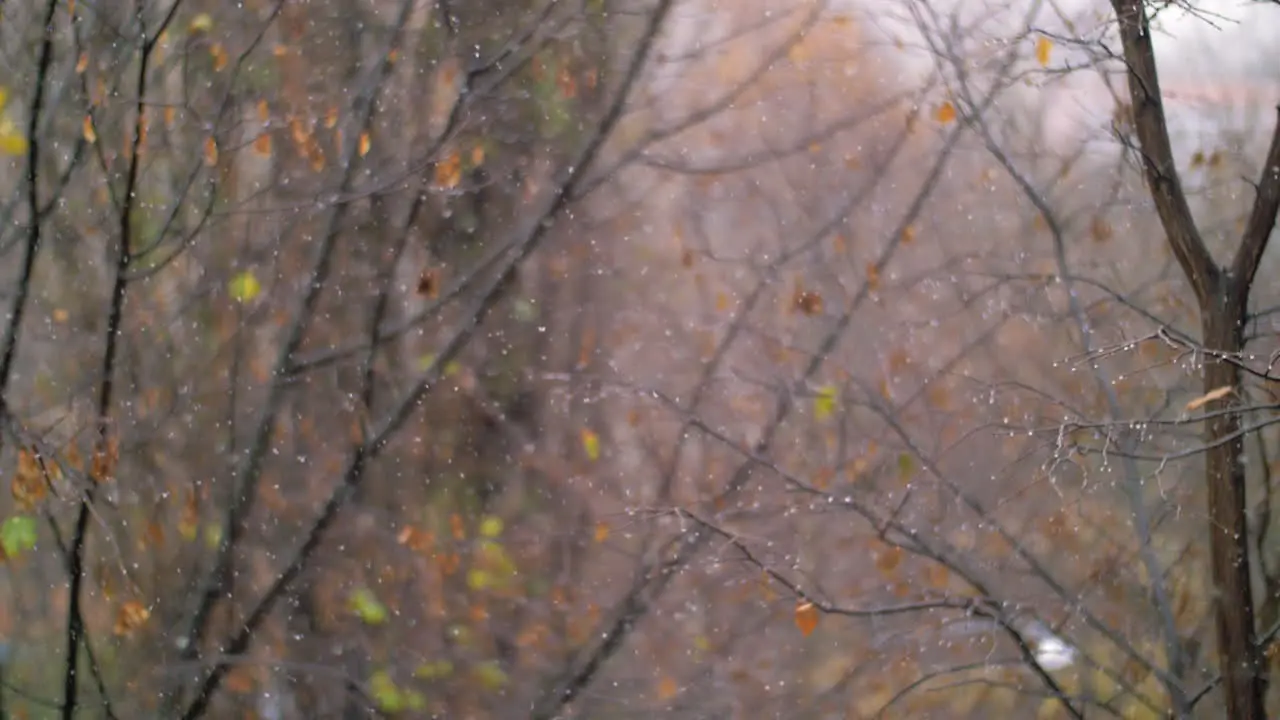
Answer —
(491, 526)
(244, 287)
(1215, 394)
(1044, 48)
(90, 135)
(590, 443)
(200, 24)
(806, 618)
(946, 113)
(12, 143)
(798, 53)
(210, 151)
(4, 98)
(824, 403)
(364, 144)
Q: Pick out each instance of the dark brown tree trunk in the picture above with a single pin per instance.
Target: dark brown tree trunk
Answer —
(1242, 671)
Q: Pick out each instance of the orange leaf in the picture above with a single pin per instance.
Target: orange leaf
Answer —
(806, 617)
(946, 113)
(90, 135)
(130, 617)
(602, 532)
(219, 54)
(264, 112)
(449, 172)
(1205, 399)
(82, 63)
(667, 688)
(210, 151)
(364, 144)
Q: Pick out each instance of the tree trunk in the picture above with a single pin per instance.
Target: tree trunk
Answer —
(1244, 685)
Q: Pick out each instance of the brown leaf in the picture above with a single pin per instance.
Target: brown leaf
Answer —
(888, 559)
(429, 284)
(806, 301)
(1100, 230)
(28, 484)
(873, 277)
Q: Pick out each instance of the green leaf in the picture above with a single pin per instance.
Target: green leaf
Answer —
(494, 557)
(490, 676)
(18, 535)
(590, 443)
(244, 287)
(383, 690)
(824, 403)
(437, 670)
(213, 535)
(451, 368)
(367, 607)
(525, 310)
(905, 466)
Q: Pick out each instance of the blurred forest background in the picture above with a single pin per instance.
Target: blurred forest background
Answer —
(631, 358)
